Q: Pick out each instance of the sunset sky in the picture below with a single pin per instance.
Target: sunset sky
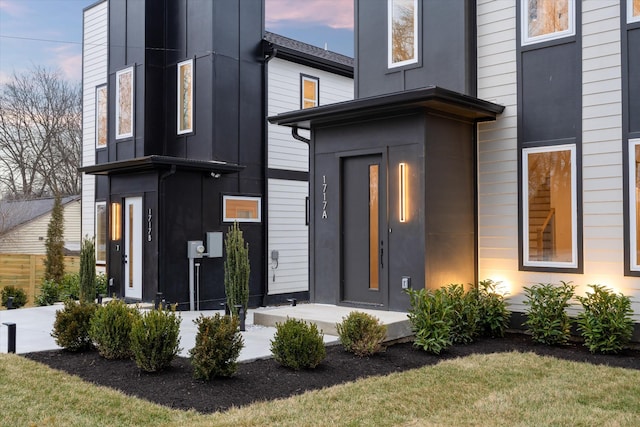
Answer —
(49, 32)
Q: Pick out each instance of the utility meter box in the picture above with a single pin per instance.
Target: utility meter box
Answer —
(195, 249)
(214, 244)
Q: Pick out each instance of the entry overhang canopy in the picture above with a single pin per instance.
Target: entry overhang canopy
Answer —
(431, 98)
(155, 162)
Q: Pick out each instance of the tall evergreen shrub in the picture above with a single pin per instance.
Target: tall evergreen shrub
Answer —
(236, 269)
(87, 270)
(54, 244)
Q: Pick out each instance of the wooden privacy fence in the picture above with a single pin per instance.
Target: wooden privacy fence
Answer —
(27, 271)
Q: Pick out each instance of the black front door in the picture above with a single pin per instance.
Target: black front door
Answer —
(364, 219)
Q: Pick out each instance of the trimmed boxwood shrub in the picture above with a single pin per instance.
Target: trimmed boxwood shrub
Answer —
(298, 344)
(218, 345)
(111, 329)
(605, 324)
(19, 296)
(547, 319)
(361, 333)
(155, 339)
(71, 327)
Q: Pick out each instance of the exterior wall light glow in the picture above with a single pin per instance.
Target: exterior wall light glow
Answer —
(116, 221)
(402, 179)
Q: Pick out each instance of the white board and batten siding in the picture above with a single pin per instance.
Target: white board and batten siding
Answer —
(94, 73)
(602, 161)
(287, 231)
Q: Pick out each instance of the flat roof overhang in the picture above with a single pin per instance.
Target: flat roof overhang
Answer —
(431, 98)
(147, 163)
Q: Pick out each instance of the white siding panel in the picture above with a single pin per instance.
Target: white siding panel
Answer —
(288, 235)
(94, 73)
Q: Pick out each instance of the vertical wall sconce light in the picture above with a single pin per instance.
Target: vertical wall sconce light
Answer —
(116, 221)
(402, 193)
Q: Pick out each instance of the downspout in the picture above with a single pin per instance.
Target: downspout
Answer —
(161, 205)
(296, 135)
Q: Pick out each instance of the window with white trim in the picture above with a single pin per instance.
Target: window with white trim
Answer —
(101, 232)
(633, 11)
(544, 20)
(402, 20)
(241, 209)
(549, 199)
(185, 97)
(634, 204)
(309, 91)
(124, 103)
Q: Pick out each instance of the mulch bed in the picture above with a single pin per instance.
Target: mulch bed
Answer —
(266, 380)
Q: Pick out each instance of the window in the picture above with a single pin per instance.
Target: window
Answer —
(101, 116)
(549, 207)
(241, 209)
(544, 20)
(633, 11)
(402, 32)
(101, 232)
(634, 203)
(309, 91)
(124, 103)
(185, 97)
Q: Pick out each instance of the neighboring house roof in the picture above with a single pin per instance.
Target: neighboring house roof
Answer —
(276, 45)
(14, 213)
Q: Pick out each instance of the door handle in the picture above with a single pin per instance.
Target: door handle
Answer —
(381, 254)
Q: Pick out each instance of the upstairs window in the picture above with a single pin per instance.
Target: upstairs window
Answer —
(309, 91)
(124, 103)
(544, 20)
(101, 116)
(185, 97)
(402, 32)
(549, 198)
(633, 11)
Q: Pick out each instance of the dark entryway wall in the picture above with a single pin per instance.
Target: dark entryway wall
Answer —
(436, 244)
(446, 48)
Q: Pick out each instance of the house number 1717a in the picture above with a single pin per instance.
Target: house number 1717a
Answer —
(324, 197)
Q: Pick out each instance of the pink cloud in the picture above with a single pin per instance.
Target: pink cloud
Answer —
(332, 13)
(68, 60)
(13, 8)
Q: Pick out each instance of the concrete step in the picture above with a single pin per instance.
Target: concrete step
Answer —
(327, 316)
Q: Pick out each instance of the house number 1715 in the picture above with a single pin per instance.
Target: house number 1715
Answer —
(324, 197)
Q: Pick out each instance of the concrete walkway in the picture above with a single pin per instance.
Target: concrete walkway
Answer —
(34, 326)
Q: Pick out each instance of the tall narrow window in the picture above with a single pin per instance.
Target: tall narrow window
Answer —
(101, 116)
(633, 11)
(634, 203)
(550, 207)
(101, 232)
(374, 224)
(124, 103)
(185, 97)
(402, 32)
(309, 91)
(544, 20)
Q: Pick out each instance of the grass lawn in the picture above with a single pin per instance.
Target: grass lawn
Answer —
(505, 389)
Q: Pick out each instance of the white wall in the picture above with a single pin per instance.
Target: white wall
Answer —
(94, 73)
(601, 158)
(287, 232)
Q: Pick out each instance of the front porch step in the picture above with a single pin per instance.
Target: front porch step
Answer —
(327, 316)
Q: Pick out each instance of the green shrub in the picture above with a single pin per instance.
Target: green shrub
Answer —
(101, 283)
(218, 345)
(605, 324)
(464, 314)
(298, 344)
(429, 316)
(494, 316)
(71, 327)
(87, 274)
(49, 293)
(19, 296)
(155, 339)
(111, 329)
(361, 333)
(547, 319)
(236, 269)
(70, 286)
